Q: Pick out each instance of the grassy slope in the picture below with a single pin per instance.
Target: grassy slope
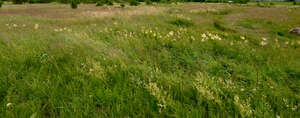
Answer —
(145, 65)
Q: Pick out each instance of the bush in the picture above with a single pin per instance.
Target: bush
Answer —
(148, 2)
(241, 1)
(122, 5)
(18, 1)
(74, 4)
(213, 1)
(109, 2)
(133, 3)
(1, 2)
(99, 3)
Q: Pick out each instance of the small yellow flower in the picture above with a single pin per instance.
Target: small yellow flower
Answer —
(242, 37)
(263, 43)
(36, 26)
(203, 35)
(8, 104)
(171, 33)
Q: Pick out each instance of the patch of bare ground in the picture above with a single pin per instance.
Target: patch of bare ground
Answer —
(131, 11)
(274, 14)
(84, 10)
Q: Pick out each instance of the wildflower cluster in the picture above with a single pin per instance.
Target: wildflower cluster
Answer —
(210, 36)
(62, 29)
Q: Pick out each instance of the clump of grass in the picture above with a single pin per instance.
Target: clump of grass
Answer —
(219, 25)
(181, 22)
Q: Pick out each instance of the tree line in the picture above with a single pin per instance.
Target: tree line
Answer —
(118, 1)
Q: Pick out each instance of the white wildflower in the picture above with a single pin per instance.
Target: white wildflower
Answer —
(8, 104)
(91, 70)
(263, 38)
(192, 37)
(203, 35)
(263, 43)
(171, 33)
(242, 37)
(287, 43)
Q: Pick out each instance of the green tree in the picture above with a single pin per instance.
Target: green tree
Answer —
(74, 4)
(1, 2)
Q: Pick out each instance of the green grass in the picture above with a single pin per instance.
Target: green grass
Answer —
(166, 64)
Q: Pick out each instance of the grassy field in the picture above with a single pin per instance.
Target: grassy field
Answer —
(186, 60)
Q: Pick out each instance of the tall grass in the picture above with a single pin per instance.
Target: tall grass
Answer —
(111, 68)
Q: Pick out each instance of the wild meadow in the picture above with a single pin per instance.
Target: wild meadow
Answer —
(197, 60)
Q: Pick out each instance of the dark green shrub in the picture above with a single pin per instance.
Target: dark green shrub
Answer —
(32, 1)
(133, 3)
(148, 2)
(18, 1)
(99, 3)
(122, 5)
(241, 1)
(110, 2)
(1, 2)
(181, 22)
(64, 1)
(271, 3)
(215, 1)
(74, 4)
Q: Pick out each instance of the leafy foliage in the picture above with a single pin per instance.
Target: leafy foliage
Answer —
(74, 4)
(100, 3)
(133, 3)
(241, 1)
(1, 2)
(148, 2)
